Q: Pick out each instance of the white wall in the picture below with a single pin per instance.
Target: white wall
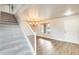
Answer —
(6, 8)
(64, 29)
(57, 29)
(25, 26)
(71, 26)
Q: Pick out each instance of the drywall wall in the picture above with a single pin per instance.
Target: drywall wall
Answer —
(21, 18)
(57, 28)
(63, 29)
(66, 28)
(71, 26)
(25, 26)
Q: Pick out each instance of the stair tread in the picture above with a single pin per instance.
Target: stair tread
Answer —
(12, 40)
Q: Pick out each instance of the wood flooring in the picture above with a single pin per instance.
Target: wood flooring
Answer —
(54, 47)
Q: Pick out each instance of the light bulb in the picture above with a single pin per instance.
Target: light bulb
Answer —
(68, 12)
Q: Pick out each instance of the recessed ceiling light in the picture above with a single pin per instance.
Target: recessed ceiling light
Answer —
(68, 12)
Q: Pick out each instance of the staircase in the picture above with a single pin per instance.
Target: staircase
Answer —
(12, 40)
(6, 18)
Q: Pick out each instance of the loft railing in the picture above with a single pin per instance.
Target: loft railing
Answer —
(9, 8)
(28, 33)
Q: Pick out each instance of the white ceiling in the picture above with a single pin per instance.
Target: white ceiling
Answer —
(45, 11)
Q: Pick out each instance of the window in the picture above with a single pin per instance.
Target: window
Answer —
(45, 28)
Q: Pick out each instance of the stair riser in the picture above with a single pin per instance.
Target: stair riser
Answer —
(6, 18)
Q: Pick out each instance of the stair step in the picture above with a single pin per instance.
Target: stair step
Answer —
(7, 18)
(12, 40)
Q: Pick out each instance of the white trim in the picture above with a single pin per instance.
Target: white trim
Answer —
(27, 40)
(35, 43)
(23, 30)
